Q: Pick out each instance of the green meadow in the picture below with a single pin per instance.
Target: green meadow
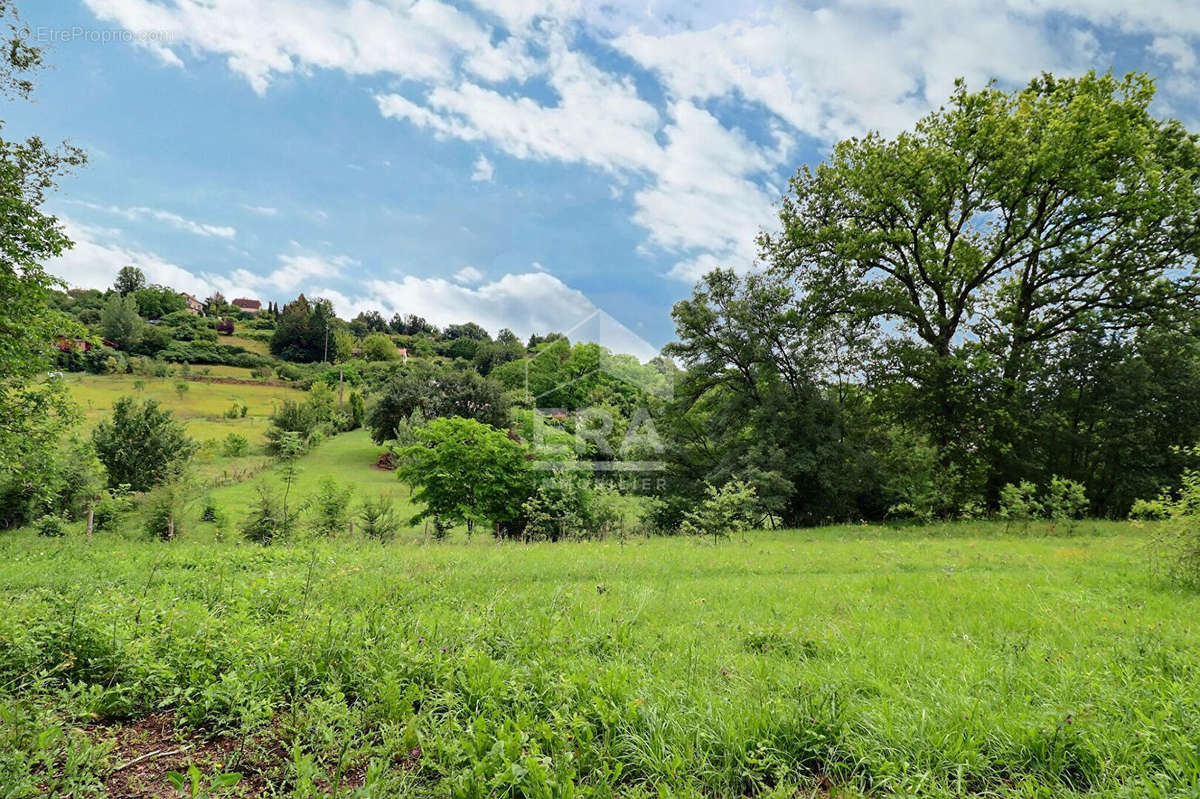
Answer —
(201, 406)
(955, 660)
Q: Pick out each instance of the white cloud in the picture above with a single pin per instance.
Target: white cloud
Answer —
(95, 260)
(262, 210)
(174, 220)
(265, 39)
(525, 303)
(294, 271)
(700, 188)
(483, 171)
(468, 274)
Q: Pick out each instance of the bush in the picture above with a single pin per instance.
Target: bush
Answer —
(379, 347)
(112, 506)
(378, 518)
(235, 445)
(732, 508)
(209, 512)
(268, 522)
(50, 526)
(161, 514)
(331, 507)
(1019, 503)
(237, 410)
(141, 445)
(1065, 501)
(1175, 546)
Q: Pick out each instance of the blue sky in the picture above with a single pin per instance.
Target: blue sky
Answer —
(536, 164)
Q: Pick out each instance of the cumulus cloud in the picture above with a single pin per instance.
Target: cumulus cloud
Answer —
(468, 274)
(527, 303)
(96, 258)
(515, 74)
(483, 171)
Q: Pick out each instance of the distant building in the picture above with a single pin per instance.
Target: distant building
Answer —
(193, 305)
(247, 306)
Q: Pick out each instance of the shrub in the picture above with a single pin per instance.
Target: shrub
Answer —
(560, 508)
(235, 445)
(51, 526)
(112, 506)
(237, 410)
(732, 508)
(268, 522)
(1019, 503)
(1065, 501)
(1175, 546)
(331, 507)
(209, 512)
(161, 514)
(379, 347)
(141, 445)
(378, 519)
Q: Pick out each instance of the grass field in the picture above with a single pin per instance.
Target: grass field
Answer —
(201, 406)
(947, 661)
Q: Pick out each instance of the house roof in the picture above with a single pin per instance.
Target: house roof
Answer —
(242, 302)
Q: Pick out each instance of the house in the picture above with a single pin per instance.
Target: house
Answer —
(193, 305)
(65, 344)
(247, 306)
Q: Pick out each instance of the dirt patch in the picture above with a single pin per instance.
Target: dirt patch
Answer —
(146, 750)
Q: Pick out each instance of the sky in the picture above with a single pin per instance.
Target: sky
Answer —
(533, 164)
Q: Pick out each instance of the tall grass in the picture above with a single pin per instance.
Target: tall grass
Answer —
(947, 663)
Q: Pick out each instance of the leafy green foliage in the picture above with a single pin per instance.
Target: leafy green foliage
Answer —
(331, 507)
(162, 514)
(1175, 544)
(268, 520)
(194, 785)
(379, 347)
(120, 322)
(729, 510)
(156, 302)
(465, 471)
(435, 392)
(129, 279)
(235, 445)
(378, 517)
(304, 332)
(141, 445)
(1019, 503)
(50, 526)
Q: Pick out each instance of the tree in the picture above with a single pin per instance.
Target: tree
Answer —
(33, 411)
(155, 302)
(142, 445)
(763, 401)
(305, 331)
(129, 279)
(435, 392)
(119, 321)
(379, 347)
(466, 472)
(373, 321)
(466, 330)
(996, 227)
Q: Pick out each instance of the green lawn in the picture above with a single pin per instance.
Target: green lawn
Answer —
(944, 661)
